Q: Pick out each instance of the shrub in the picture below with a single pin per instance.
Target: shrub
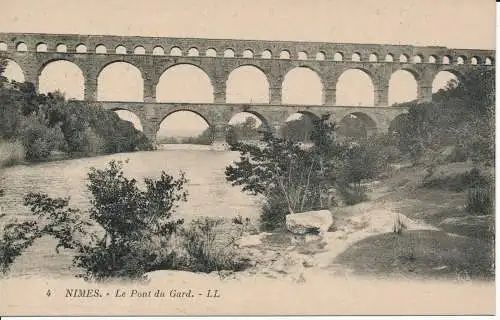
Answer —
(126, 233)
(206, 250)
(352, 193)
(286, 174)
(11, 153)
(362, 160)
(480, 200)
(273, 213)
(39, 140)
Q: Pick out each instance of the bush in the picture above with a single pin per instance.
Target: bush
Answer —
(273, 214)
(127, 231)
(11, 153)
(363, 160)
(352, 193)
(286, 174)
(480, 200)
(39, 140)
(46, 123)
(206, 251)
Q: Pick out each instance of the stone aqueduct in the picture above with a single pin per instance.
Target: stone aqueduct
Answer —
(217, 58)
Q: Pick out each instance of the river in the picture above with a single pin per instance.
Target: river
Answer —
(209, 193)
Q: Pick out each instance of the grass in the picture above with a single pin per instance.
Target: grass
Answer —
(462, 248)
(420, 254)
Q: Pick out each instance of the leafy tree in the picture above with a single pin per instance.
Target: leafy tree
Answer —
(247, 130)
(290, 177)
(298, 130)
(462, 115)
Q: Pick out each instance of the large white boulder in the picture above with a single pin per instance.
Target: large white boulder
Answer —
(309, 222)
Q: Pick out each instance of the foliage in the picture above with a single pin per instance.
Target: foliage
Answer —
(11, 152)
(298, 130)
(126, 232)
(205, 138)
(352, 193)
(38, 139)
(462, 115)
(481, 200)
(40, 121)
(247, 130)
(286, 174)
(206, 251)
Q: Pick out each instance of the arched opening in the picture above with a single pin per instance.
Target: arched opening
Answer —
(432, 59)
(488, 61)
(248, 53)
(461, 60)
(403, 58)
(101, 49)
(444, 80)
(302, 86)
(62, 48)
(193, 52)
(211, 52)
(81, 48)
(446, 60)
(284, 54)
(417, 59)
(229, 53)
(403, 87)
(299, 127)
(474, 61)
(139, 50)
(246, 126)
(63, 76)
(266, 54)
(176, 51)
(356, 125)
(302, 55)
(355, 88)
(13, 71)
(373, 57)
(158, 51)
(21, 46)
(3, 46)
(184, 127)
(184, 83)
(238, 90)
(320, 56)
(389, 58)
(356, 57)
(41, 47)
(120, 50)
(338, 56)
(398, 123)
(130, 117)
(120, 81)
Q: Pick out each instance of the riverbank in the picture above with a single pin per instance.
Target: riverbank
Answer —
(439, 241)
(361, 255)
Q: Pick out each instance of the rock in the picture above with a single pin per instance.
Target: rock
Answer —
(311, 222)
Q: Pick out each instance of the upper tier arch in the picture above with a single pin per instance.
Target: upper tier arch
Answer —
(152, 63)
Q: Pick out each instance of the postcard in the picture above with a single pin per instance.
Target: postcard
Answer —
(247, 158)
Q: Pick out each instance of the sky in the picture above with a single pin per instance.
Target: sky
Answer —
(451, 23)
